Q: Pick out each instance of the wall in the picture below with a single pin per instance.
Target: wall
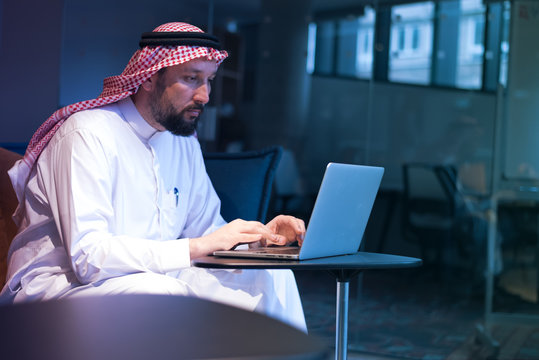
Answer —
(324, 119)
(57, 52)
(521, 160)
(30, 46)
(389, 124)
(99, 37)
(282, 89)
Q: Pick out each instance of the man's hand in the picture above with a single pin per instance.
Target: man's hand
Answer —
(234, 233)
(287, 228)
(282, 230)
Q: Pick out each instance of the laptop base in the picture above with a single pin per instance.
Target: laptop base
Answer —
(271, 252)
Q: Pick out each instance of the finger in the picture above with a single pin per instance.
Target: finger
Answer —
(262, 233)
(301, 232)
(254, 227)
(250, 238)
(295, 223)
(250, 227)
(296, 226)
(300, 226)
(269, 239)
(276, 240)
(277, 221)
(300, 239)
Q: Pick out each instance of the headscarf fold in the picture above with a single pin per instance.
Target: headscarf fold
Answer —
(143, 64)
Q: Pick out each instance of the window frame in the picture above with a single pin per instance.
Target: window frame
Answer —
(336, 16)
(493, 18)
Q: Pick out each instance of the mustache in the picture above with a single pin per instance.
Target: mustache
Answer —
(199, 107)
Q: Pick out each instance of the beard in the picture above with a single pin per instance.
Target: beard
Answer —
(177, 123)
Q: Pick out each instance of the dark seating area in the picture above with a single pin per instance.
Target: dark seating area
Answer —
(243, 181)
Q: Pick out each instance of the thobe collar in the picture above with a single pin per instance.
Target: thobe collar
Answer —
(140, 126)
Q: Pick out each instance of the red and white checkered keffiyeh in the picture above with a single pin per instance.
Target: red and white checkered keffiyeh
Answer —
(143, 64)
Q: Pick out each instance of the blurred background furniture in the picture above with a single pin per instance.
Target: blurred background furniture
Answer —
(8, 204)
(429, 208)
(289, 188)
(243, 181)
(518, 228)
(441, 220)
(518, 222)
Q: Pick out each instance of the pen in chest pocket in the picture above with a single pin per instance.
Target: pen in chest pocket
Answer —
(176, 196)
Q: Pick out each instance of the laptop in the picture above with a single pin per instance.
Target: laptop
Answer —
(338, 219)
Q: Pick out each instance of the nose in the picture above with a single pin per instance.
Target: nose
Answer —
(202, 94)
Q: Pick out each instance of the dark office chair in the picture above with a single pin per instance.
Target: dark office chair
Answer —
(243, 181)
(8, 203)
(518, 223)
(434, 215)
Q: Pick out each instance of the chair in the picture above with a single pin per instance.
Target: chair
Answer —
(433, 214)
(243, 181)
(8, 203)
(289, 189)
(518, 225)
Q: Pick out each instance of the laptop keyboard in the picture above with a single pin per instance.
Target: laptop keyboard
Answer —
(278, 250)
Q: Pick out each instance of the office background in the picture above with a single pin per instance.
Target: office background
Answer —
(274, 94)
(377, 82)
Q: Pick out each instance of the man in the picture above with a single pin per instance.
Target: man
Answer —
(114, 197)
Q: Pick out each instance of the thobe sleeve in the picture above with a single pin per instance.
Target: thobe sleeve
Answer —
(80, 191)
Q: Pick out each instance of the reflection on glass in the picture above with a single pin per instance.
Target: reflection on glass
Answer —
(355, 45)
(411, 43)
(365, 46)
(504, 44)
(347, 47)
(430, 43)
(325, 45)
(471, 36)
(311, 46)
(342, 46)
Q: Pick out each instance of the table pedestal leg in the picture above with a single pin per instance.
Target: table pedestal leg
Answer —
(341, 337)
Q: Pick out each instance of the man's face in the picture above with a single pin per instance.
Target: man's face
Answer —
(180, 93)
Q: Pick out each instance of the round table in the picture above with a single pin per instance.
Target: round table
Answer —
(343, 267)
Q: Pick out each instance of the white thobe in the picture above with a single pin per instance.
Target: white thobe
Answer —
(110, 207)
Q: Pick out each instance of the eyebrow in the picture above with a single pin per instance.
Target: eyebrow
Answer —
(196, 70)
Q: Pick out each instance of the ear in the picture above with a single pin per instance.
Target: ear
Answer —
(149, 84)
